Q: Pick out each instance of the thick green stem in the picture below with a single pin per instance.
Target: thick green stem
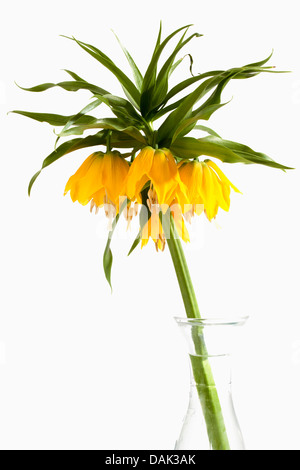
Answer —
(202, 372)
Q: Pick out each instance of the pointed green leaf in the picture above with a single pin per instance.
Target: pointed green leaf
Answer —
(68, 86)
(204, 112)
(53, 119)
(245, 152)
(108, 123)
(77, 118)
(144, 216)
(74, 75)
(68, 147)
(247, 71)
(224, 150)
(122, 109)
(208, 130)
(169, 126)
(188, 82)
(188, 124)
(122, 140)
(135, 243)
(189, 147)
(110, 65)
(108, 256)
(184, 109)
(136, 73)
(261, 62)
(150, 75)
(161, 86)
(107, 262)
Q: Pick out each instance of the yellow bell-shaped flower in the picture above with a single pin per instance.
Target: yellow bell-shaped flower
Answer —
(208, 187)
(100, 179)
(158, 167)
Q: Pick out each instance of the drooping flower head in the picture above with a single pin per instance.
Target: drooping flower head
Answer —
(165, 176)
(156, 172)
(100, 180)
(159, 169)
(208, 188)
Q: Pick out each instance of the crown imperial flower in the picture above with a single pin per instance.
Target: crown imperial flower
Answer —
(99, 180)
(208, 187)
(156, 171)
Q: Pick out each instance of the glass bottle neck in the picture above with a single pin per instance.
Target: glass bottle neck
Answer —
(218, 371)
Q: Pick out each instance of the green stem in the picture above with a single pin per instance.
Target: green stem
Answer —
(108, 141)
(202, 372)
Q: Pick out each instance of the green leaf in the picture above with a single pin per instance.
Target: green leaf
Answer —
(189, 147)
(77, 118)
(247, 71)
(68, 86)
(188, 124)
(204, 112)
(148, 87)
(122, 140)
(184, 109)
(108, 256)
(138, 78)
(243, 151)
(214, 101)
(188, 82)
(74, 75)
(208, 130)
(122, 109)
(169, 126)
(135, 243)
(225, 150)
(161, 86)
(145, 215)
(261, 62)
(53, 119)
(126, 83)
(68, 147)
(108, 123)
(107, 262)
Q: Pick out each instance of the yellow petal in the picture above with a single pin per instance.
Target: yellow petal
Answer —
(191, 176)
(137, 172)
(99, 197)
(210, 204)
(91, 183)
(115, 170)
(80, 173)
(222, 191)
(163, 176)
(222, 176)
(181, 228)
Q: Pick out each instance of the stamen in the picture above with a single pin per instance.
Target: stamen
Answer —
(110, 211)
(152, 201)
(94, 205)
(136, 208)
(160, 242)
(130, 211)
(190, 214)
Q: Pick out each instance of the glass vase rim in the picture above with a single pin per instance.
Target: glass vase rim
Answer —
(230, 320)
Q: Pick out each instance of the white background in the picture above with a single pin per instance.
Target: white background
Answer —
(81, 368)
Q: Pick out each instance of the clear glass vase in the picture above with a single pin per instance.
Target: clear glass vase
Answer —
(210, 422)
